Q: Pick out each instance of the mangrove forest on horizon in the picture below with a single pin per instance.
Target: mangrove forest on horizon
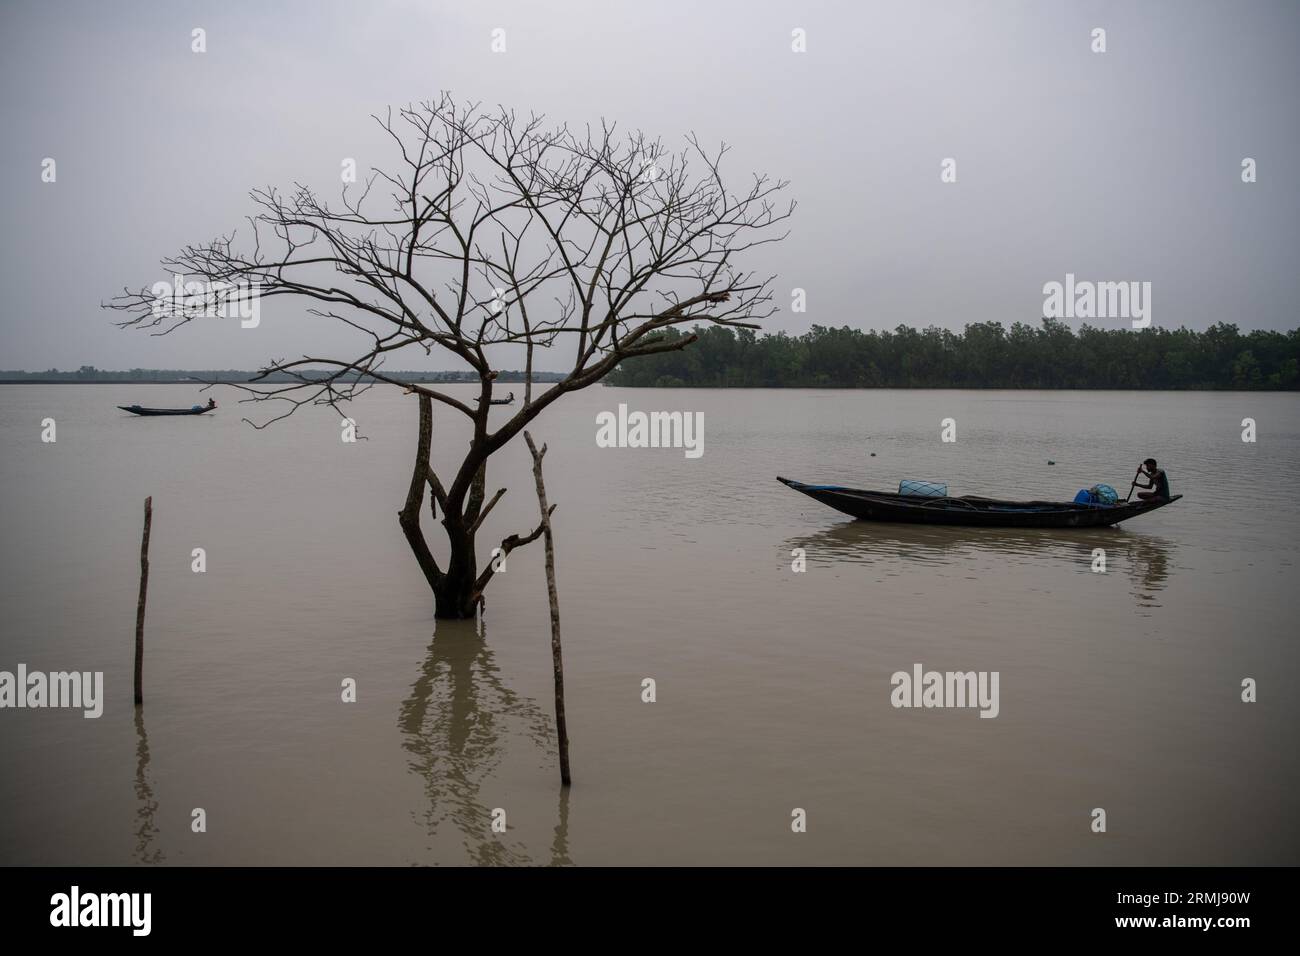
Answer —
(983, 355)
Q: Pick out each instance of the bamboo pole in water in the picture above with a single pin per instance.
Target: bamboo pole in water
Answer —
(557, 661)
(139, 608)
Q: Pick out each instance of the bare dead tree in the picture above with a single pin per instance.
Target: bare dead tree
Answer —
(497, 233)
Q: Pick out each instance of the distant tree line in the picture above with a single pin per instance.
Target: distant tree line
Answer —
(984, 355)
(89, 375)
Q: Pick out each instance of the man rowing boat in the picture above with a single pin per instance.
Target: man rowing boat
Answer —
(1156, 479)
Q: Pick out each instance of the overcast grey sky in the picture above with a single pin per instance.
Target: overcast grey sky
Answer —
(1117, 166)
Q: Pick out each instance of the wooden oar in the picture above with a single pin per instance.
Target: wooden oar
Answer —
(1134, 484)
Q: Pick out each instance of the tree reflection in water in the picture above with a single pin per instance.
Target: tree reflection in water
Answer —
(458, 723)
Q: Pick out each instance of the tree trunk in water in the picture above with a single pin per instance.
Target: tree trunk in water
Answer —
(409, 516)
(454, 595)
(454, 592)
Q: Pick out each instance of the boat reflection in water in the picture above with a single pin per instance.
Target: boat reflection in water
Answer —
(905, 546)
(460, 723)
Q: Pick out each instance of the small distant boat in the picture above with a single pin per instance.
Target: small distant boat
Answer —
(138, 410)
(974, 511)
(508, 400)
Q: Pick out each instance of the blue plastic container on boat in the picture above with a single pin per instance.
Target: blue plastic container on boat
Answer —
(1097, 495)
(923, 489)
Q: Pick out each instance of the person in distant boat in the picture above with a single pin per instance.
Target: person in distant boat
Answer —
(1157, 481)
(212, 403)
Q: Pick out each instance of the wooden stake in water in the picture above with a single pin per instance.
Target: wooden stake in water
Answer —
(561, 729)
(139, 608)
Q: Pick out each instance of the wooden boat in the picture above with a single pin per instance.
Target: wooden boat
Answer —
(508, 400)
(973, 511)
(137, 410)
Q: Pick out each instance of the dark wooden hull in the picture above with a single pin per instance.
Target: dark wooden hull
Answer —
(137, 410)
(972, 511)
